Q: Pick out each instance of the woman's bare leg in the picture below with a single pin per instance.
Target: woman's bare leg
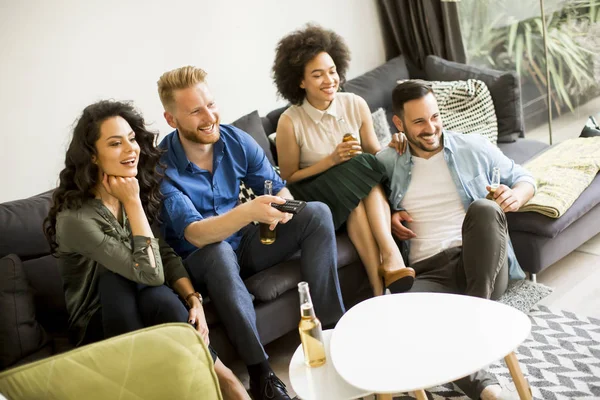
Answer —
(359, 231)
(231, 387)
(378, 213)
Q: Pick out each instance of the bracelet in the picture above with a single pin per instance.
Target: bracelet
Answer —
(196, 295)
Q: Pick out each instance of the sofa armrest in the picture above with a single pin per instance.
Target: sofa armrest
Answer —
(505, 89)
(178, 366)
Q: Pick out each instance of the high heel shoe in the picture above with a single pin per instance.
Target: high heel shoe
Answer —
(400, 280)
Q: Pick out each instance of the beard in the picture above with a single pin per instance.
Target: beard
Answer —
(430, 148)
(197, 136)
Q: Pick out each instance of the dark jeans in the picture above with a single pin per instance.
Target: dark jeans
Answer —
(478, 268)
(128, 306)
(219, 271)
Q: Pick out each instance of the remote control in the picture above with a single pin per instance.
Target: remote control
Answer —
(290, 206)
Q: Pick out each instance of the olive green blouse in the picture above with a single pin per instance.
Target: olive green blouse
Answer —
(89, 239)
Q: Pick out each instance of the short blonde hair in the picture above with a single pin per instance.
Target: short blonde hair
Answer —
(180, 78)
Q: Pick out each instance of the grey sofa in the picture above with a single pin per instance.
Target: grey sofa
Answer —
(539, 241)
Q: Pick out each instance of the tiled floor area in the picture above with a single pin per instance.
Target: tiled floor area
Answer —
(575, 279)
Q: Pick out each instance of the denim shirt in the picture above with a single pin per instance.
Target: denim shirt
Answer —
(471, 160)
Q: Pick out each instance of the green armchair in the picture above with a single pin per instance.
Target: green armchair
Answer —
(168, 361)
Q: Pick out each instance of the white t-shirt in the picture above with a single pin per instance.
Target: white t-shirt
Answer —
(435, 207)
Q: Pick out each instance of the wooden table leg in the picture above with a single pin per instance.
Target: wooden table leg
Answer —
(386, 396)
(420, 394)
(520, 382)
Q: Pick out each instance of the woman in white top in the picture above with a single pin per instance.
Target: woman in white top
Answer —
(309, 66)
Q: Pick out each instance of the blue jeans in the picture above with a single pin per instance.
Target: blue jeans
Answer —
(219, 270)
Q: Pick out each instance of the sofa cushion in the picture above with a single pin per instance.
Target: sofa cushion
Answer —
(381, 127)
(46, 286)
(504, 87)
(467, 107)
(376, 86)
(272, 282)
(539, 224)
(20, 333)
(252, 124)
(21, 230)
(522, 150)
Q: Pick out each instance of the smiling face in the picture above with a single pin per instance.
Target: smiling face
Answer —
(321, 81)
(194, 114)
(117, 152)
(422, 126)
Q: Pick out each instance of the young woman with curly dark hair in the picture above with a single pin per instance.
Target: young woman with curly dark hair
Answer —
(112, 266)
(310, 65)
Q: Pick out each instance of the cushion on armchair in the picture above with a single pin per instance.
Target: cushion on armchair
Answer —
(504, 88)
(178, 366)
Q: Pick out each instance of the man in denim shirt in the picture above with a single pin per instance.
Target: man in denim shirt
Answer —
(454, 238)
(201, 220)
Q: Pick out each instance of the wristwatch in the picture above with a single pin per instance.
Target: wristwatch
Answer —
(196, 295)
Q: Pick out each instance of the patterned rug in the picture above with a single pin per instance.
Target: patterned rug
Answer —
(561, 359)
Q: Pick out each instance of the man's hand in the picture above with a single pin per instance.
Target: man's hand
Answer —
(506, 198)
(398, 142)
(260, 210)
(125, 189)
(399, 230)
(198, 320)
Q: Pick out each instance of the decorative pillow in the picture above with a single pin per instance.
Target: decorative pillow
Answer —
(466, 107)
(505, 89)
(252, 124)
(20, 332)
(381, 127)
(246, 193)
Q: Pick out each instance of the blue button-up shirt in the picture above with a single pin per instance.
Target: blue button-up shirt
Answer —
(471, 160)
(192, 194)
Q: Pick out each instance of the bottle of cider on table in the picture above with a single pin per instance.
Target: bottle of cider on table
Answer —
(311, 333)
(267, 236)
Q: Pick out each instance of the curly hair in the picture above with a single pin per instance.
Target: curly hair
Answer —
(297, 49)
(80, 175)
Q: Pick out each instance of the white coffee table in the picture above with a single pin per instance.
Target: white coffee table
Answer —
(321, 383)
(413, 341)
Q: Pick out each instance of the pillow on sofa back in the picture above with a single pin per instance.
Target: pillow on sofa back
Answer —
(252, 124)
(21, 230)
(20, 333)
(467, 107)
(504, 88)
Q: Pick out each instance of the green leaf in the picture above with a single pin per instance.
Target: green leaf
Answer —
(519, 54)
(512, 34)
(528, 42)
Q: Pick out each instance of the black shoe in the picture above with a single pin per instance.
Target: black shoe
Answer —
(269, 387)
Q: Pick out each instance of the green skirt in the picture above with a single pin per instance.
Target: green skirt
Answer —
(341, 187)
